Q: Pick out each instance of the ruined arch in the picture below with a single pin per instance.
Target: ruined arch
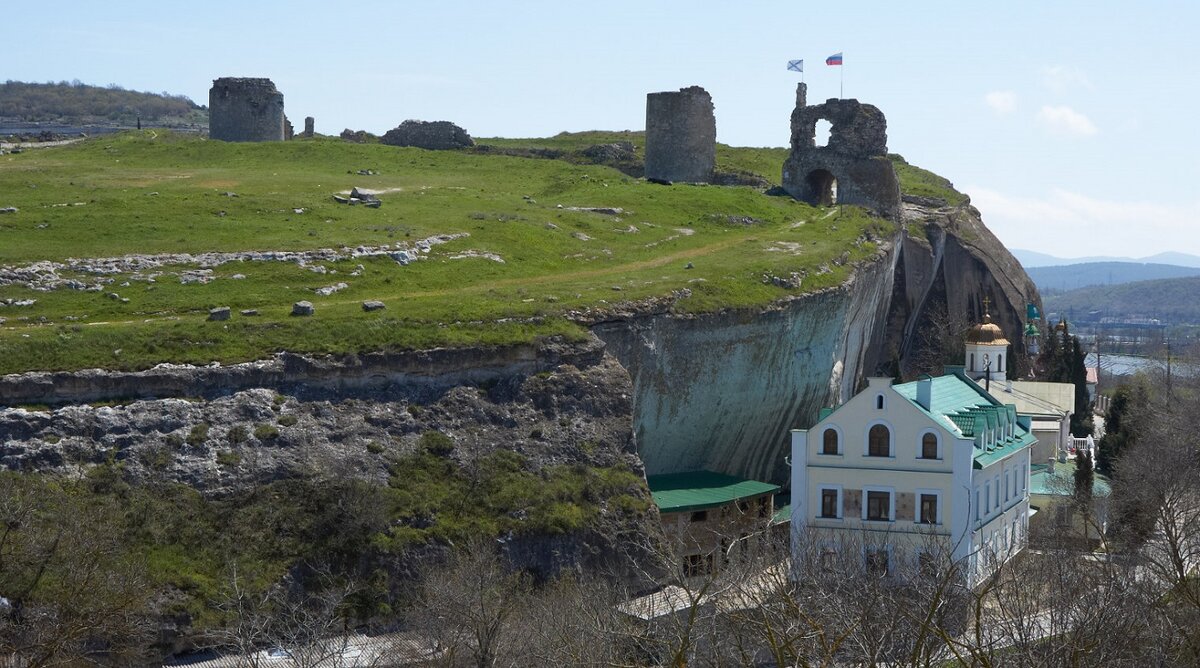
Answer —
(856, 153)
(822, 187)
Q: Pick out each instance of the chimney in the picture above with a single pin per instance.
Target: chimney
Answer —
(1008, 385)
(925, 391)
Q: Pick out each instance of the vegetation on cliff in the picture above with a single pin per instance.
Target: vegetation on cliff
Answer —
(75, 103)
(540, 244)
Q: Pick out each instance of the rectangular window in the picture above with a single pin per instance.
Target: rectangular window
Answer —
(927, 564)
(977, 505)
(1006, 488)
(879, 506)
(929, 509)
(697, 564)
(987, 496)
(877, 561)
(829, 503)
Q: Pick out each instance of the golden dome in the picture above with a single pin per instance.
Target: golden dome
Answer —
(987, 332)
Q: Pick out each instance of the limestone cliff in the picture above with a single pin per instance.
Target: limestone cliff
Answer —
(949, 263)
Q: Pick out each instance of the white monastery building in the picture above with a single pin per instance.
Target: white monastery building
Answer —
(907, 472)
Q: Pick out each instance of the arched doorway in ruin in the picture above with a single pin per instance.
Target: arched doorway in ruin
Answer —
(823, 186)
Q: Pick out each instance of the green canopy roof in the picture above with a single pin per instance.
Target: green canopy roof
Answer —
(698, 490)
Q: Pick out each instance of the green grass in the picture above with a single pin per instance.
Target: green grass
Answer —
(508, 206)
(924, 183)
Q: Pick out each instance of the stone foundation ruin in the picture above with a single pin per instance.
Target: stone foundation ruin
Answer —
(432, 135)
(852, 168)
(681, 136)
(245, 109)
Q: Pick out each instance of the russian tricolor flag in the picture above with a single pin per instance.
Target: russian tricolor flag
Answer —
(835, 59)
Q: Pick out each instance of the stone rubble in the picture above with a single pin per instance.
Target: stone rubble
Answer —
(330, 289)
(47, 275)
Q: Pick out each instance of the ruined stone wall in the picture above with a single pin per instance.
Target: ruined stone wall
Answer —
(432, 135)
(245, 109)
(855, 159)
(681, 136)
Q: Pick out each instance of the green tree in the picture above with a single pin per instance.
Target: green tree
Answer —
(1085, 476)
(1122, 424)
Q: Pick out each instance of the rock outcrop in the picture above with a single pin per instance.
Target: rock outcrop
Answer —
(432, 135)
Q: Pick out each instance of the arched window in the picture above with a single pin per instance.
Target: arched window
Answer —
(929, 443)
(972, 361)
(879, 402)
(999, 363)
(829, 442)
(879, 442)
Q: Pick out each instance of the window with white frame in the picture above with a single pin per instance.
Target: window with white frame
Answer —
(877, 559)
(879, 505)
(831, 502)
(830, 442)
(929, 506)
(879, 441)
(1006, 488)
(929, 446)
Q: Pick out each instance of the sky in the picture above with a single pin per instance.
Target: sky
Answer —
(1071, 124)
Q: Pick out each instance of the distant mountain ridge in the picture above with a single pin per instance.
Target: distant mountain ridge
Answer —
(1029, 259)
(1171, 300)
(1061, 278)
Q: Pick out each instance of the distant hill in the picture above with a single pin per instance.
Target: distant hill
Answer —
(80, 104)
(1172, 300)
(1029, 259)
(1070, 277)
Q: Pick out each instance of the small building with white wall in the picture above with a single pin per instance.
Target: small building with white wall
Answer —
(904, 471)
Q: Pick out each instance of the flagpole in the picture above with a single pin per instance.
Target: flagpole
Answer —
(842, 79)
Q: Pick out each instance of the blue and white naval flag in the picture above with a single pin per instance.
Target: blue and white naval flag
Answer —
(796, 65)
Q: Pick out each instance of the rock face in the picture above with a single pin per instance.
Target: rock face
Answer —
(949, 262)
(432, 135)
(852, 168)
(556, 403)
(681, 136)
(722, 391)
(245, 109)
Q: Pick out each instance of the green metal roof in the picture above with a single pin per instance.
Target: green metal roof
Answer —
(965, 409)
(1062, 483)
(698, 490)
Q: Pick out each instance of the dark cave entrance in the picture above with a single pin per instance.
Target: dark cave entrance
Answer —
(823, 186)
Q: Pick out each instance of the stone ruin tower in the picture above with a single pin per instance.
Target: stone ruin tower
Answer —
(681, 136)
(243, 109)
(853, 168)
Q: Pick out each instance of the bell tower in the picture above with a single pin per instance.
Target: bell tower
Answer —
(986, 349)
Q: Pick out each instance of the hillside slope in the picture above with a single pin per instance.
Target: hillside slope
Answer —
(1172, 300)
(81, 104)
(1072, 277)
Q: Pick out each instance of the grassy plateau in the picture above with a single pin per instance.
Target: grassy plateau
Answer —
(158, 192)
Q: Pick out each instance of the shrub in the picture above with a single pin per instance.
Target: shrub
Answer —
(228, 458)
(375, 448)
(436, 443)
(238, 434)
(198, 435)
(287, 420)
(266, 432)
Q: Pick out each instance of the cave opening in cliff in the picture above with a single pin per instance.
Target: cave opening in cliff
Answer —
(823, 186)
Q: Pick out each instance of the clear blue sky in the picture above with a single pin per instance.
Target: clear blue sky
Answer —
(1071, 124)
